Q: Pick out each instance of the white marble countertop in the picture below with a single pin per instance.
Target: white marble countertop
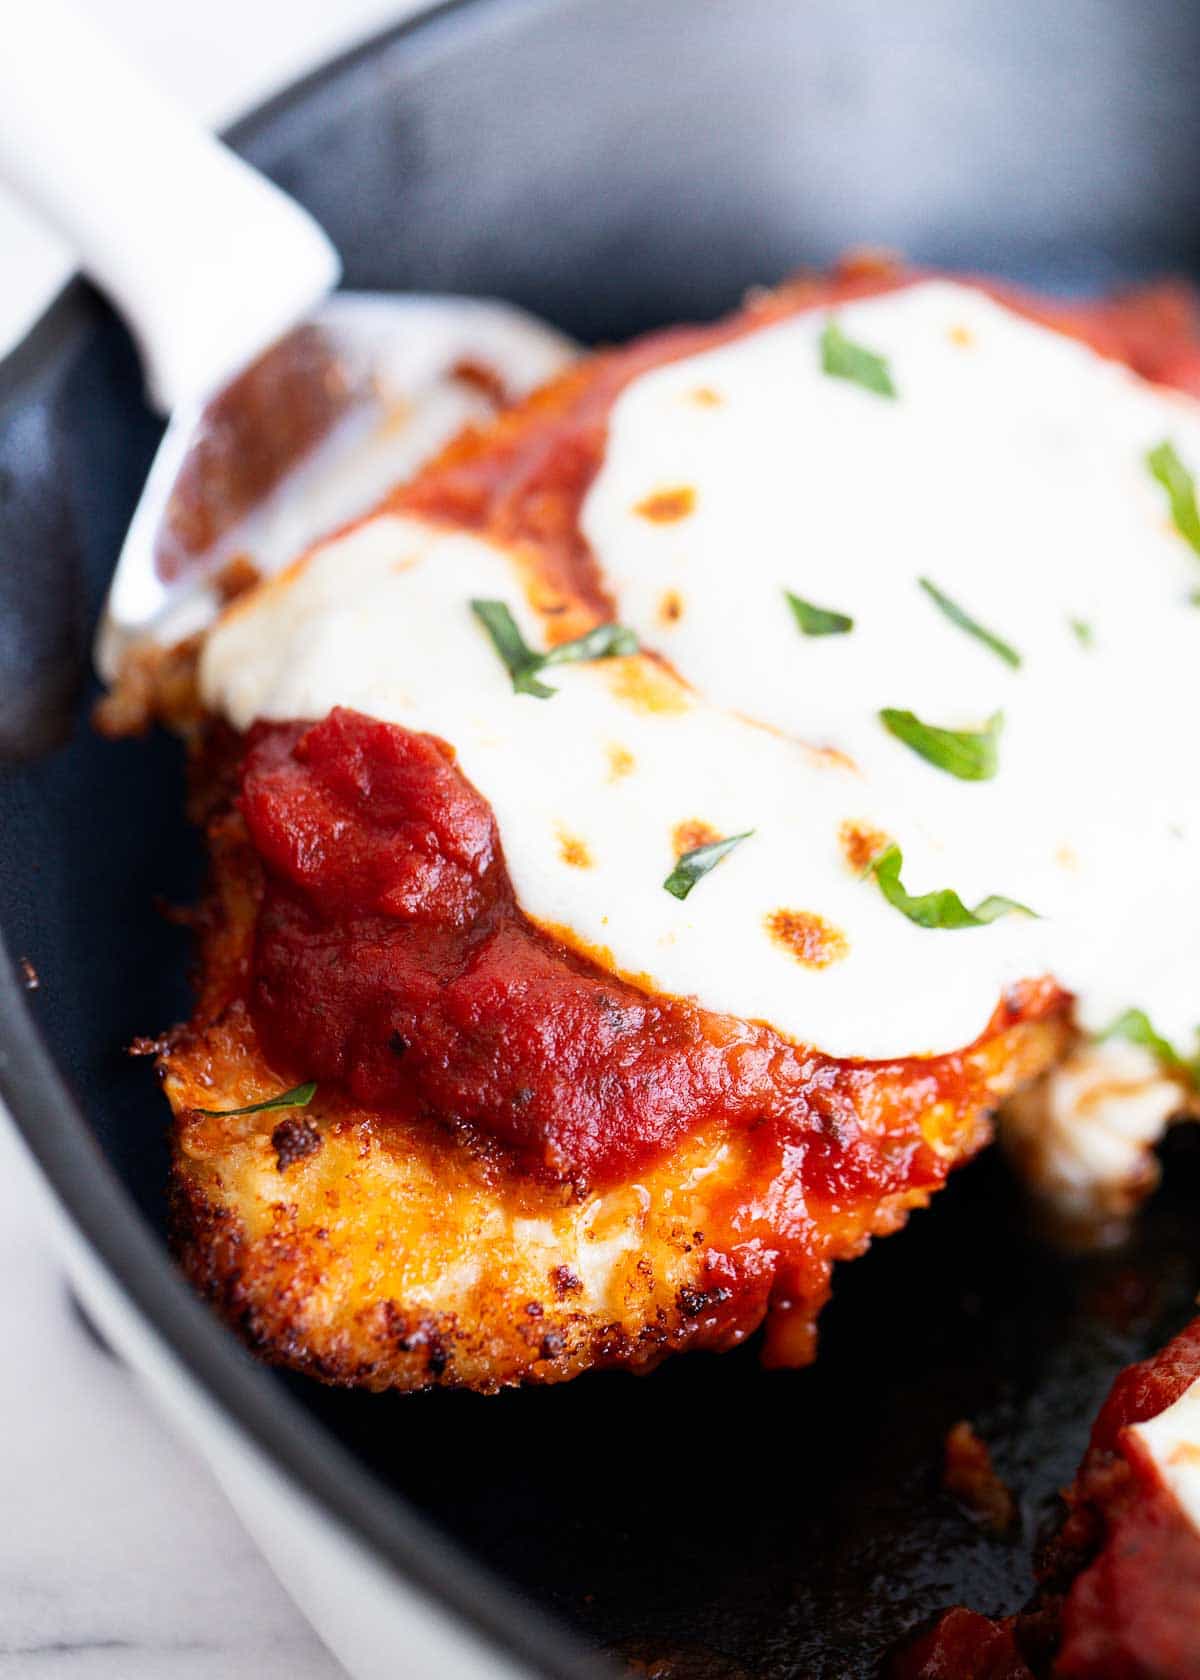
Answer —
(119, 1557)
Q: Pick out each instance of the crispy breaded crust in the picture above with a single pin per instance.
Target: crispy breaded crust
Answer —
(401, 1251)
(391, 1252)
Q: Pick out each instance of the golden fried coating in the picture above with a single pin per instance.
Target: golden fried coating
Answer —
(385, 1252)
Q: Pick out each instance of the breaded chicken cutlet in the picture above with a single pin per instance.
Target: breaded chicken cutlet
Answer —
(648, 849)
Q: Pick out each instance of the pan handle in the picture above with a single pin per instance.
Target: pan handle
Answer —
(205, 259)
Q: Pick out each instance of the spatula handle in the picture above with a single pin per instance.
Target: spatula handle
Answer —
(207, 261)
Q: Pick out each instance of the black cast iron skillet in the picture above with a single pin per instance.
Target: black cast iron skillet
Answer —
(611, 164)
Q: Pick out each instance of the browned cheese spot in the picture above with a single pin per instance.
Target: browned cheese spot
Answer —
(809, 938)
(705, 397)
(646, 685)
(670, 607)
(573, 851)
(687, 836)
(621, 762)
(860, 843)
(962, 336)
(664, 507)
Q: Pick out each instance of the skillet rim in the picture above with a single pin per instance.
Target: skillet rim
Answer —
(54, 1131)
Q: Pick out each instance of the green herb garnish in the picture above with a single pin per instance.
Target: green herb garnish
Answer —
(843, 359)
(1135, 1027)
(1083, 632)
(964, 621)
(606, 641)
(1165, 465)
(693, 865)
(942, 909)
(817, 621)
(970, 754)
(519, 658)
(298, 1097)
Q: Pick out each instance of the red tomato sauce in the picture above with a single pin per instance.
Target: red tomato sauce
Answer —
(962, 1645)
(1120, 1583)
(525, 478)
(391, 956)
(1134, 1612)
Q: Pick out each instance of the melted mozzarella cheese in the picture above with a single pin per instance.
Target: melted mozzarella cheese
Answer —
(1010, 470)
(1173, 1442)
(589, 787)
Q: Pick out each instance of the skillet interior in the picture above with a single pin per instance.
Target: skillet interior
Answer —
(613, 164)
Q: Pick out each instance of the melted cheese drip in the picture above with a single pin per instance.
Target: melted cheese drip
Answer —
(1085, 1133)
(1173, 1442)
(1011, 471)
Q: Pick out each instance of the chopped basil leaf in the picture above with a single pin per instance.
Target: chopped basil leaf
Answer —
(1084, 634)
(519, 658)
(1165, 465)
(1135, 1027)
(964, 621)
(522, 663)
(843, 359)
(942, 909)
(697, 863)
(298, 1097)
(817, 621)
(970, 754)
(606, 641)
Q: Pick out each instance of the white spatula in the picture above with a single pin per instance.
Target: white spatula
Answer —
(290, 410)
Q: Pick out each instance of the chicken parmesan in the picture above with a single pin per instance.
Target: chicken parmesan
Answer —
(650, 847)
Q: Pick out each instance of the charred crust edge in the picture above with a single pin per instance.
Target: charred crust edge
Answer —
(294, 1139)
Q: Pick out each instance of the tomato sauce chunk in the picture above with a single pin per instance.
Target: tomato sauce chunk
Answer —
(391, 955)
